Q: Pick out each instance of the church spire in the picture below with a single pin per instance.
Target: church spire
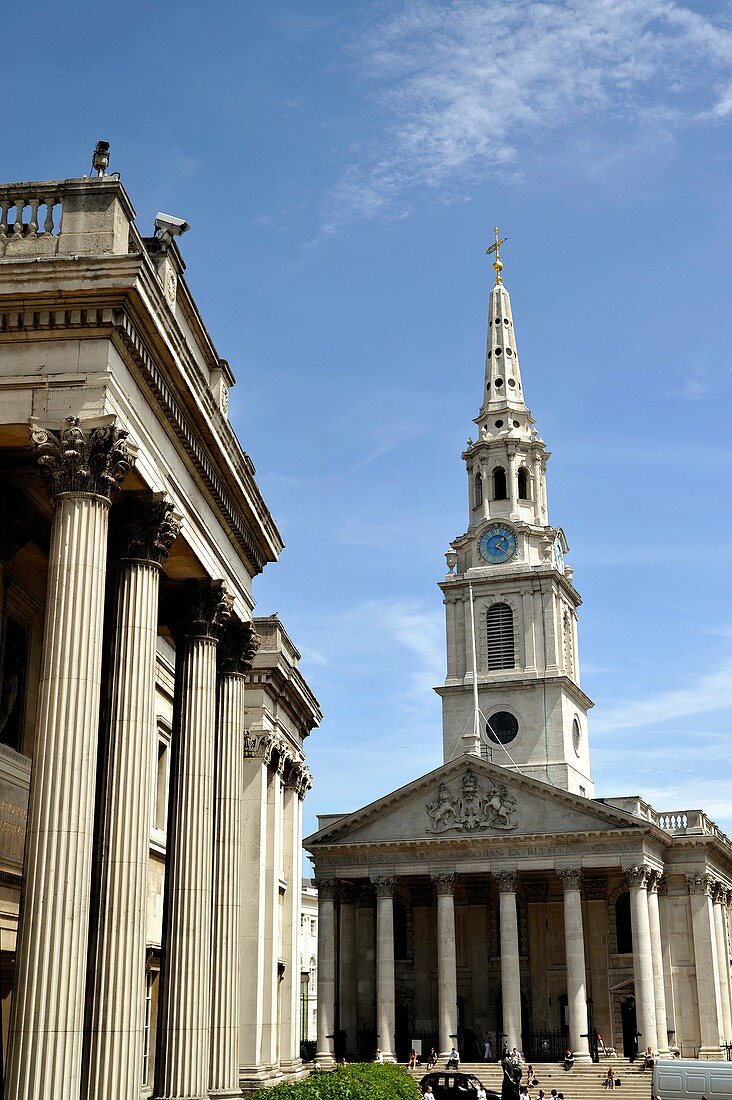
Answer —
(504, 410)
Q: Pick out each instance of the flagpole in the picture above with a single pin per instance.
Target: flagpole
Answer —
(476, 710)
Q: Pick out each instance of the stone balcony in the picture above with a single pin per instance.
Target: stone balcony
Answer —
(90, 216)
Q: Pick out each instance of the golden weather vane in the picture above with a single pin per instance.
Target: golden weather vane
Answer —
(496, 248)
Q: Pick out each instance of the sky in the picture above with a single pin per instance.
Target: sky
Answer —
(342, 166)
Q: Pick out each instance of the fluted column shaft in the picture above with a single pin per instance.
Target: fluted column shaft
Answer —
(45, 1039)
(446, 963)
(326, 972)
(182, 1069)
(654, 920)
(114, 1065)
(574, 946)
(723, 962)
(510, 972)
(705, 959)
(290, 989)
(224, 1068)
(385, 978)
(645, 996)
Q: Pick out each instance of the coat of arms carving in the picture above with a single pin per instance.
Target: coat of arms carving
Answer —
(475, 807)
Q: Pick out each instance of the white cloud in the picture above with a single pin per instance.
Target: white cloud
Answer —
(469, 89)
(710, 692)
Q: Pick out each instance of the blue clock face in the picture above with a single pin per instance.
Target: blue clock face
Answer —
(497, 544)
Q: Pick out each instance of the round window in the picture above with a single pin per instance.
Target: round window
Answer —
(499, 383)
(502, 728)
(499, 423)
(576, 736)
(499, 351)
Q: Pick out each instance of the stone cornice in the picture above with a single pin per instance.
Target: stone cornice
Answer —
(509, 684)
(126, 296)
(288, 686)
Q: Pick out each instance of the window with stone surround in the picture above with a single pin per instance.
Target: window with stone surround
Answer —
(500, 491)
(477, 491)
(524, 490)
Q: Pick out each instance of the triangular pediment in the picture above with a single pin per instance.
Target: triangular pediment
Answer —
(471, 797)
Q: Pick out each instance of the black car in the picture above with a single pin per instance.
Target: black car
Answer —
(451, 1086)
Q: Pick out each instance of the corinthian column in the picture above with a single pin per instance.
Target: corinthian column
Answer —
(654, 919)
(326, 971)
(574, 944)
(237, 648)
(81, 470)
(707, 969)
(198, 612)
(645, 996)
(510, 972)
(385, 985)
(142, 532)
(720, 902)
(446, 963)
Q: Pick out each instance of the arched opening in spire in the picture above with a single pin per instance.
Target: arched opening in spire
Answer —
(524, 484)
(500, 489)
(477, 491)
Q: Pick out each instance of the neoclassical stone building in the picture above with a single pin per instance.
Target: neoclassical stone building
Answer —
(497, 893)
(152, 764)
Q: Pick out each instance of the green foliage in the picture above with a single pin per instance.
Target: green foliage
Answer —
(360, 1081)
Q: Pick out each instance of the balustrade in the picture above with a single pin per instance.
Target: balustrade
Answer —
(31, 213)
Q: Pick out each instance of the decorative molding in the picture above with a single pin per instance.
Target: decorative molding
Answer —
(637, 876)
(238, 647)
(476, 807)
(384, 885)
(258, 744)
(656, 882)
(571, 877)
(76, 460)
(700, 884)
(198, 609)
(444, 885)
(507, 881)
(305, 782)
(143, 528)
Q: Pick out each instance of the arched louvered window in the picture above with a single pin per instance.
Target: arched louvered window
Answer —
(500, 637)
(478, 491)
(523, 484)
(499, 484)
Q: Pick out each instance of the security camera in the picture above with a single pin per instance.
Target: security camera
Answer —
(167, 227)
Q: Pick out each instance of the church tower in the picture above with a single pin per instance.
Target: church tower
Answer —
(532, 712)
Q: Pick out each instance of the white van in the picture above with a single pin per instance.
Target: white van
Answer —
(687, 1077)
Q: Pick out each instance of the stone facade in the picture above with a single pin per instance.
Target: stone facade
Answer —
(152, 729)
(497, 894)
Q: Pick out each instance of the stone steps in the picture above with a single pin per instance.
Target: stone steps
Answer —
(582, 1082)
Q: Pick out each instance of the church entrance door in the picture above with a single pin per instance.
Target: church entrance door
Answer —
(630, 1027)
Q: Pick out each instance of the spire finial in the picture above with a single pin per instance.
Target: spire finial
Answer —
(496, 248)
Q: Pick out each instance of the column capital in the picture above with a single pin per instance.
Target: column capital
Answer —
(198, 609)
(238, 645)
(571, 877)
(444, 884)
(143, 527)
(72, 459)
(327, 888)
(384, 885)
(719, 892)
(656, 882)
(258, 744)
(507, 881)
(700, 884)
(637, 875)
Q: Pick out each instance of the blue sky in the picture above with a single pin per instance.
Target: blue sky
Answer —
(342, 166)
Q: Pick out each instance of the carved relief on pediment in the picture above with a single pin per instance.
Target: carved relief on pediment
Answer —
(476, 806)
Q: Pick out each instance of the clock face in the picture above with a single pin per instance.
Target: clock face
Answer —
(558, 555)
(497, 544)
